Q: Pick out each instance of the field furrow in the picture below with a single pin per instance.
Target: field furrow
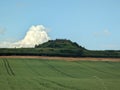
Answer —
(32, 68)
(9, 67)
(47, 81)
(56, 69)
(6, 67)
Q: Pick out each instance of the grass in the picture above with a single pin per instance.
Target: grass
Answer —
(36, 74)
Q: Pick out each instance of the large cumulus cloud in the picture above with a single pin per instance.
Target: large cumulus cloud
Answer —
(35, 35)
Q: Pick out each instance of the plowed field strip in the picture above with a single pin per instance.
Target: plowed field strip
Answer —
(66, 58)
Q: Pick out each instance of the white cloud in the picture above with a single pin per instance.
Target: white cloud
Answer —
(105, 32)
(2, 30)
(111, 46)
(6, 44)
(35, 35)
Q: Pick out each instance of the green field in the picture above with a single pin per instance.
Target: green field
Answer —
(36, 74)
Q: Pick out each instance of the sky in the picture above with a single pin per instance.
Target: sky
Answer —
(93, 24)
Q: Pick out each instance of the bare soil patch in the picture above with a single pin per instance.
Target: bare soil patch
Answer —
(66, 58)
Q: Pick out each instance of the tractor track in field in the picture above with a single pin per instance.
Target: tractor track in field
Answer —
(31, 69)
(56, 69)
(45, 84)
(59, 84)
(50, 81)
(98, 70)
(8, 67)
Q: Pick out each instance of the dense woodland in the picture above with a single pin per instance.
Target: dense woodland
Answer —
(60, 47)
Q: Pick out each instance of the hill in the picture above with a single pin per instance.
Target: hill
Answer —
(62, 47)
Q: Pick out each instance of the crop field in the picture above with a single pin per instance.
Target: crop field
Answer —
(43, 74)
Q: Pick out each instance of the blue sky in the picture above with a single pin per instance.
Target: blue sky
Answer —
(94, 24)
